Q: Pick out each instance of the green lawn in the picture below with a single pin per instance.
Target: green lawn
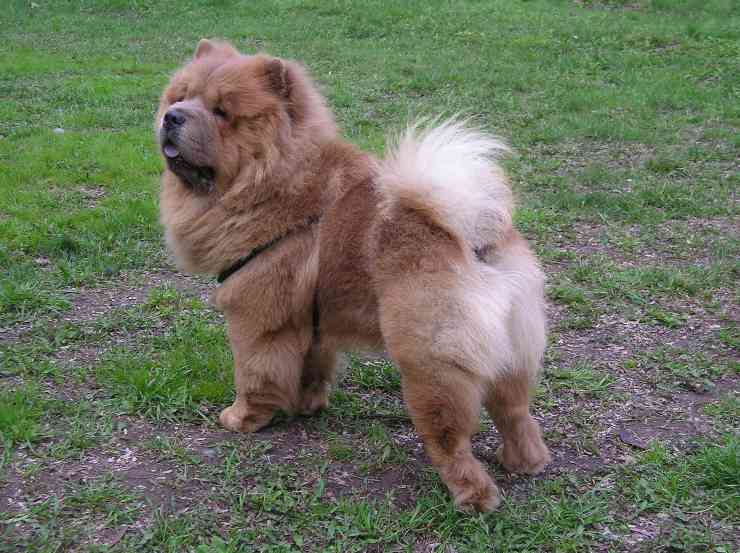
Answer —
(625, 119)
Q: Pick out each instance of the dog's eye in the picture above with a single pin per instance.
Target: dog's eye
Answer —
(179, 99)
(218, 112)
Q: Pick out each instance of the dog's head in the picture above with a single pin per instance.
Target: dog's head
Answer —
(225, 114)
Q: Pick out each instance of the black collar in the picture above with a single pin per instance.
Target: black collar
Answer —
(226, 273)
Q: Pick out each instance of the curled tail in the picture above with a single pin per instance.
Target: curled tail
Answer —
(449, 173)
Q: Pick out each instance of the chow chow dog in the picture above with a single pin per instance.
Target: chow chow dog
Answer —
(321, 248)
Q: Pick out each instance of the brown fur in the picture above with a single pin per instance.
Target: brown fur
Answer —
(380, 272)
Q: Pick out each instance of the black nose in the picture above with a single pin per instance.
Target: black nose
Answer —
(174, 118)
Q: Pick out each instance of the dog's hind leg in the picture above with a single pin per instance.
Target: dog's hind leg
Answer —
(444, 403)
(424, 327)
(316, 377)
(507, 399)
(523, 450)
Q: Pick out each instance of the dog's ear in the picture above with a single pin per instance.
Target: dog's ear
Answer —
(204, 47)
(279, 77)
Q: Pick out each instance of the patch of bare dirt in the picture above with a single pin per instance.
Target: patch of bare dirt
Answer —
(158, 480)
(577, 156)
(612, 6)
(92, 194)
(121, 458)
(89, 304)
(683, 243)
(399, 482)
(613, 339)
(292, 440)
(12, 334)
(586, 239)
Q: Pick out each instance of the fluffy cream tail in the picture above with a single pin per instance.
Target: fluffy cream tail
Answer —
(449, 172)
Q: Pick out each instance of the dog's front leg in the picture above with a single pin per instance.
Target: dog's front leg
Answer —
(267, 373)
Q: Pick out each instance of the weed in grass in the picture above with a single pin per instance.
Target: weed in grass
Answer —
(568, 295)
(86, 424)
(171, 448)
(19, 300)
(126, 320)
(345, 405)
(678, 367)
(663, 165)
(730, 336)
(666, 318)
(582, 380)
(184, 370)
(21, 412)
(375, 374)
(278, 496)
(706, 479)
(349, 407)
(340, 449)
(29, 359)
(173, 534)
(726, 409)
(383, 449)
(103, 496)
(167, 302)
(582, 313)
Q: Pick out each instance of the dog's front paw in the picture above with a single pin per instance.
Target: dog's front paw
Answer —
(239, 418)
(471, 487)
(481, 499)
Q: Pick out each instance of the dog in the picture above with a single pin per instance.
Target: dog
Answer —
(321, 248)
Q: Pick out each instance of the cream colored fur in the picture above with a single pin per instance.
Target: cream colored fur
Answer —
(450, 170)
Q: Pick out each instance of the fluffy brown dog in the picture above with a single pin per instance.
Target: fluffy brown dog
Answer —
(322, 248)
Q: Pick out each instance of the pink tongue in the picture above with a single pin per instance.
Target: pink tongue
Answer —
(171, 151)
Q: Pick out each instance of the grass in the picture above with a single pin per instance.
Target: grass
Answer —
(680, 368)
(581, 379)
(682, 490)
(20, 412)
(727, 409)
(188, 366)
(665, 481)
(624, 116)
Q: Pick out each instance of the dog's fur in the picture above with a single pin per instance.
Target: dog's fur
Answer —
(415, 253)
